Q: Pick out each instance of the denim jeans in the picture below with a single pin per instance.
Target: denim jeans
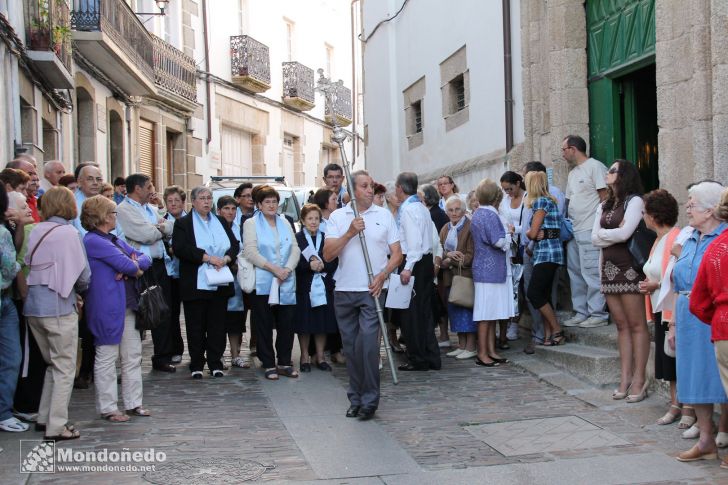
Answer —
(10, 356)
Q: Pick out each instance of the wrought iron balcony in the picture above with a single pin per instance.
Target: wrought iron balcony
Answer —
(174, 72)
(48, 36)
(249, 63)
(298, 86)
(341, 107)
(109, 35)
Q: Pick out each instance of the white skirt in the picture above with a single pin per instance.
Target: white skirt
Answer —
(493, 301)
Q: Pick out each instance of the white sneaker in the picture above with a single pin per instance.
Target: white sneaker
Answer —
(593, 322)
(13, 425)
(512, 333)
(721, 441)
(466, 354)
(241, 362)
(691, 433)
(574, 321)
(455, 352)
(445, 344)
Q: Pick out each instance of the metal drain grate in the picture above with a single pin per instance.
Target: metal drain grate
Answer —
(526, 437)
(205, 471)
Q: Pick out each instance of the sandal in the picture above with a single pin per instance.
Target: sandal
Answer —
(116, 417)
(271, 374)
(288, 371)
(558, 338)
(686, 421)
(138, 411)
(67, 434)
(669, 416)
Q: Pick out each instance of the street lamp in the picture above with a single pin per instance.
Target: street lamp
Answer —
(161, 5)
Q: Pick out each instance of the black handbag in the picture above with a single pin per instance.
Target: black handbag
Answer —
(516, 248)
(641, 242)
(153, 308)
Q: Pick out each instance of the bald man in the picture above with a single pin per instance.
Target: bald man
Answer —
(89, 184)
(27, 163)
(52, 173)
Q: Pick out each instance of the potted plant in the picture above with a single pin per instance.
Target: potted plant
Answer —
(61, 35)
(40, 35)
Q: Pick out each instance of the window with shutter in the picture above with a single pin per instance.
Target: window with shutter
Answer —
(146, 148)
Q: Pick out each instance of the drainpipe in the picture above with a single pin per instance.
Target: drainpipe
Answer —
(508, 73)
(207, 71)
(355, 135)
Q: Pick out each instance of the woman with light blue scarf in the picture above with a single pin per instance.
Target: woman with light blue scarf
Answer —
(270, 245)
(314, 290)
(203, 242)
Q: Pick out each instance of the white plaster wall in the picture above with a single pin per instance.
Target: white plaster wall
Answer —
(413, 45)
(316, 23)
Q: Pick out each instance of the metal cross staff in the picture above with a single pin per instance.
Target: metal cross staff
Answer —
(330, 91)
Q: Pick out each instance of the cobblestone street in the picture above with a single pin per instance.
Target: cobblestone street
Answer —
(464, 424)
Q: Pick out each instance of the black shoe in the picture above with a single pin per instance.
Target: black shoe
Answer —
(486, 364)
(217, 373)
(81, 382)
(324, 366)
(412, 367)
(530, 349)
(165, 368)
(500, 361)
(306, 367)
(352, 412)
(365, 414)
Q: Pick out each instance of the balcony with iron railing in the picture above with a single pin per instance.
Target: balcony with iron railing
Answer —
(298, 89)
(48, 38)
(341, 107)
(249, 63)
(175, 74)
(109, 35)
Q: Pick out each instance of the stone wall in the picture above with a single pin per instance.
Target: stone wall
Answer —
(555, 96)
(692, 87)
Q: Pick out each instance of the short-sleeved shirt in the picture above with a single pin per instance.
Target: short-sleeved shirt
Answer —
(581, 190)
(380, 231)
(548, 250)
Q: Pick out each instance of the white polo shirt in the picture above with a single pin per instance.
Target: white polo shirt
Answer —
(380, 231)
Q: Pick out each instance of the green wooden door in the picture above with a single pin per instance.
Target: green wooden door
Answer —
(621, 44)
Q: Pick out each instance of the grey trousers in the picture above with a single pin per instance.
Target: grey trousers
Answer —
(356, 315)
(583, 265)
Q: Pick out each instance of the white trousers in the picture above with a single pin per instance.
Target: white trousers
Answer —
(130, 351)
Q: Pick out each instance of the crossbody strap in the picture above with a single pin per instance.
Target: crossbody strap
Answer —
(30, 263)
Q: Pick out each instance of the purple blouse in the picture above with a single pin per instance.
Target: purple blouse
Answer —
(489, 261)
(105, 303)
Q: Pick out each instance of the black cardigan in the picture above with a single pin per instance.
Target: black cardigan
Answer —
(190, 256)
(304, 274)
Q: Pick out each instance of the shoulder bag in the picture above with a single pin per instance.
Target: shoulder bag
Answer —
(516, 248)
(153, 308)
(246, 274)
(641, 242)
(462, 290)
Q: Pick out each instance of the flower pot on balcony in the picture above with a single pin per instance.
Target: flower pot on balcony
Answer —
(40, 40)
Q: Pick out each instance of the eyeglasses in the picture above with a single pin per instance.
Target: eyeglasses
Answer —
(563, 149)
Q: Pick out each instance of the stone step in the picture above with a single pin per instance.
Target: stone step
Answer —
(596, 365)
(602, 337)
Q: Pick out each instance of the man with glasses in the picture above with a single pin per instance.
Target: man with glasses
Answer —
(585, 190)
(143, 229)
(333, 180)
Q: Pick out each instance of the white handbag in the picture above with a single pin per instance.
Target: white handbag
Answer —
(246, 274)
(216, 277)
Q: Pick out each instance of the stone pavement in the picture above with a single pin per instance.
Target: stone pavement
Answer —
(521, 423)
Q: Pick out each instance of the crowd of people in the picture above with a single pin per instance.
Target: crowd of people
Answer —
(77, 252)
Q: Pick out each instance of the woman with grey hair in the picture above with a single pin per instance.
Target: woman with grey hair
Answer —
(392, 202)
(204, 242)
(699, 383)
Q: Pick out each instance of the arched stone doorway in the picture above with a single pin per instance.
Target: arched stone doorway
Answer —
(86, 129)
(116, 145)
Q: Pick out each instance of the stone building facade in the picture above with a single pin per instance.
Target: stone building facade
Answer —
(575, 80)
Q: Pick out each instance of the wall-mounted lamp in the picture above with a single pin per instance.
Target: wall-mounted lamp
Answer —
(161, 5)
